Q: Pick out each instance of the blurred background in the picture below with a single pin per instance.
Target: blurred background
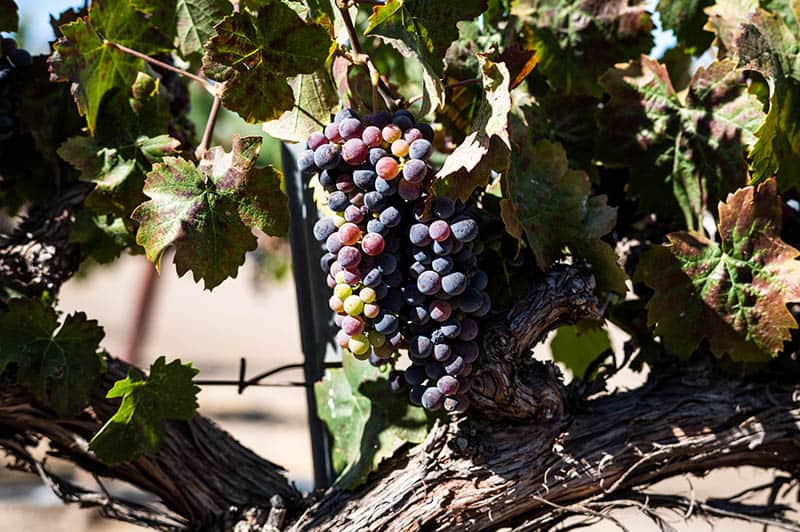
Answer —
(252, 316)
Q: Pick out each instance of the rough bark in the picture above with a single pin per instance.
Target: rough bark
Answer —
(481, 474)
(199, 473)
(38, 255)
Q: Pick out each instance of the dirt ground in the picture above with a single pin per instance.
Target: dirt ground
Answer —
(213, 331)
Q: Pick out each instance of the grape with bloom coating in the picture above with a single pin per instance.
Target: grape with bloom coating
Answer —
(373, 244)
(349, 233)
(387, 168)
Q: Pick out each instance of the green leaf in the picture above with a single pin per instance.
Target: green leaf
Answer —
(765, 44)
(314, 100)
(423, 30)
(577, 40)
(137, 427)
(57, 368)
(577, 347)
(368, 423)
(9, 17)
(687, 19)
(206, 211)
(102, 238)
(189, 24)
(83, 57)
(692, 148)
(255, 54)
(550, 203)
(487, 147)
(733, 293)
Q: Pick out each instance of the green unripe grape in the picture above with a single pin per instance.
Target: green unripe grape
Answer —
(376, 338)
(340, 278)
(342, 291)
(367, 295)
(353, 305)
(359, 345)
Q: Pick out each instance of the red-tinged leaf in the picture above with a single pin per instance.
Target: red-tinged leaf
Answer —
(487, 147)
(733, 293)
(206, 211)
(688, 148)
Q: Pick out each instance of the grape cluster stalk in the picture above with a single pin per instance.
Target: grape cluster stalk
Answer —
(400, 262)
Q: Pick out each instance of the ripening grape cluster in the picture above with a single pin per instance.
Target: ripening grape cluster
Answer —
(401, 263)
(12, 60)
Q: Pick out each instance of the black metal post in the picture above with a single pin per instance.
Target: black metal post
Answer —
(315, 320)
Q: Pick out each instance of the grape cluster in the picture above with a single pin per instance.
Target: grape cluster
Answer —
(400, 263)
(12, 59)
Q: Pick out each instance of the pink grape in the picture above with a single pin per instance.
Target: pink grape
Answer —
(371, 310)
(352, 325)
(387, 168)
(439, 230)
(316, 139)
(342, 339)
(373, 244)
(391, 133)
(355, 152)
(372, 137)
(351, 277)
(344, 182)
(350, 128)
(349, 233)
(332, 132)
(412, 134)
(400, 148)
(440, 310)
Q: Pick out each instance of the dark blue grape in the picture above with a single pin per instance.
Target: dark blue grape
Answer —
(380, 119)
(486, 306)
(468, 350)
(414, 171)
(391, 216)
(327, 178)
(442, 352)
(338, 201)
(432, 399)
(305, 162)
(454, 283)
(333, 243)
(470, 301)
(394, 279)
(387, 264)
(451, 328)
(411, 296)
(381, 291)
(403, 121)
(447, 384)
(20, 58)
(376, 154)
(479, 280)
(443, 207)
(416, 269)
(327, 156)
(433, 370)
(419, 315)
(415, 395)
(364, 179)
(393, 245)
(426, 130)
(442, 265)
(423, 255)
(420, 346)
(465, 230)
(372, 278)
(326, 260)
(376, 226)
(455, 404)
(455, 365)
(374, 201)
(469, 329)
(421, 149)
(429, 282)
(386, 323)
(418, 235)
(415, 374)
(344, 113)
(393, 300)
(442, 248)
(323, 228)
(387, 188)
(396, 381)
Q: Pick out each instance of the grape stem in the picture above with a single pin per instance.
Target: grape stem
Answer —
(209, 131)
(358, 56)
(207, 84)
(462, 83)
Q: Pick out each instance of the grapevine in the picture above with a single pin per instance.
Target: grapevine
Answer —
(401, 263)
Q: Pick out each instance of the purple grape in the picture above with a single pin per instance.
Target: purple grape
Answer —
(376, 226)
(443, 207)
(343, 114)
(333, 243)
(415, 395)
(387, 264)
(390, 217)
(415, 374)
(443, 248)
(414, 171)
(327, 156)
(442, 352)
(469, 329)
(386, 188)
(432, 399)
(316, 139)
(420, 346)
(306, 162)
(455, 366)
(418, 235)
(442, 265)
(323, 228)
(416, 269)
(354, 152)
(364, 179)
(420, 150)
(456, 404)
(376, 154)
(350, 128)
(396, 381)
(465, 230)
(338, 201)
(353, 214)
(479, 280)
(408, 191)
(439, 230)
(402, 121)
(448, 385)
(386, 323)
(454, 283)
(326, 261)
(429, 282)
(470, 301)
(412, 296)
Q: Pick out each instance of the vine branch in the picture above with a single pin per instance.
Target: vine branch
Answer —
(208, 85)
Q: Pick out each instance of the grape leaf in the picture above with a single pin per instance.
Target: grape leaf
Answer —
(692, 148)
(254, 55)
(137, 427)
(9, 17)
(102, 238)
(765, 44)
(724, 20)
(57, 368)
(577, 347)
(367, 422)
(82, 56)
(423, 31)
(314, 100)
(549, 203)
(733, 293)
(187, 23)
(116, 157)
(488, 146)
(206, 211)
(687, 19)
(577, 40)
